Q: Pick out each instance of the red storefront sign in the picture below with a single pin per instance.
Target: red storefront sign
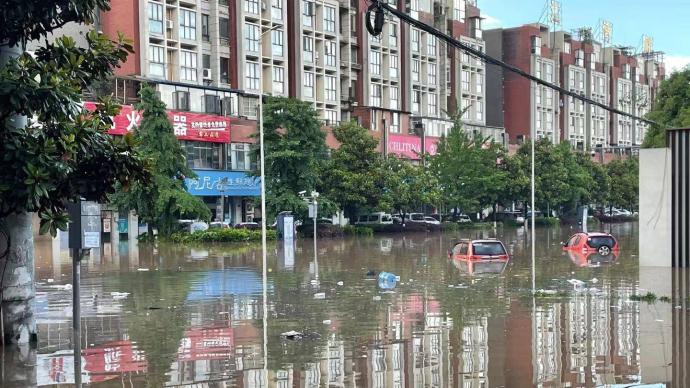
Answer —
(186, 125)
(410, 146)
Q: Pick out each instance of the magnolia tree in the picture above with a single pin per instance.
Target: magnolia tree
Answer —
(52, 151)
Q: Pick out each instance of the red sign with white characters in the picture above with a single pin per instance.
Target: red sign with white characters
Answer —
(410, 146)
(186, 125)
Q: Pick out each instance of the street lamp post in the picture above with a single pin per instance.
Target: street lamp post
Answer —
(314, 204)
(264, 261)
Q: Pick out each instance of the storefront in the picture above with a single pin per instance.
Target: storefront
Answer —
(221, 167)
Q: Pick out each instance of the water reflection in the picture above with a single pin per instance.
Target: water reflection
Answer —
(172, 316)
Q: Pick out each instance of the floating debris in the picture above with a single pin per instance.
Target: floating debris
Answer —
(320, 295)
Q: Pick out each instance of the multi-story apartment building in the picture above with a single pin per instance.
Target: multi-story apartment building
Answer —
(582, 66)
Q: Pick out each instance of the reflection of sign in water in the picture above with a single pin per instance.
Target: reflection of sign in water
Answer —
(122, 225)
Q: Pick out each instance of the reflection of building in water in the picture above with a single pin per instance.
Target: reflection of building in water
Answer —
(474, 359)
(591, 339)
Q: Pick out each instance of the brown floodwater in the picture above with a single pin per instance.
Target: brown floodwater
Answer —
(194, 316)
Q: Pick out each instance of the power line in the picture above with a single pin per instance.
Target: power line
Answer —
(493, 61)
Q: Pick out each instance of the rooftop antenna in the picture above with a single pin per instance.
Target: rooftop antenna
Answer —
(604, 32)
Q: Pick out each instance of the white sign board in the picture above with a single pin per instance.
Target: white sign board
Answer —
(288, 228)
(92, 240)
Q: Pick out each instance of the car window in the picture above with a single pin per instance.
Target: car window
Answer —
(417, 217)
(456, 248)
(386, 218)
(362, 219)
(373, 217)
(463, 248)
(598, 241)
(488, 248)
(573, 241)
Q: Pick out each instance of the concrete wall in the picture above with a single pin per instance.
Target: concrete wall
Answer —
(655, 207)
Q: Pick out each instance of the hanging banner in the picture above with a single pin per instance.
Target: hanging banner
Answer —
(186, 125)
(410, 146)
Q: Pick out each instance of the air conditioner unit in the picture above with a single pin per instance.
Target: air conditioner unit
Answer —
(207, 74)
(169, 24)
(263, 6)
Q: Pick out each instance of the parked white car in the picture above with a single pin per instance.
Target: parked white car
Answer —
(432, 221)
(378, 218)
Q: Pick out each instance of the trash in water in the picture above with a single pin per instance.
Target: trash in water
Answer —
(50, 280)
(546, 292)
(320, 295)
(142, 269)
(387, 280)
(594, 280)
(371, 273)
(326, 321)
(377, 297)
(119, 295)
(292, 335)
(314, 282)
(340, 283)
(577, 284)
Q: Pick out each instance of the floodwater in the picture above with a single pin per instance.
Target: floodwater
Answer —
(182, 316)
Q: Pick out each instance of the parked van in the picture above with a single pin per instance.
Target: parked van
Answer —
(374, 218)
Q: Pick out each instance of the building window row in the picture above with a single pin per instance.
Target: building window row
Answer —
(187, 24)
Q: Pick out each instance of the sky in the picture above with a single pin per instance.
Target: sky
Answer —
(664, 20)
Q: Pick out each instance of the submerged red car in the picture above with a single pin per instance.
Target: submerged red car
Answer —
(479, 256)
(602, 243)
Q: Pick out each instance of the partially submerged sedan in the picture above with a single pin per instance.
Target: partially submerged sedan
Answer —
(602, 243)
(479, 256)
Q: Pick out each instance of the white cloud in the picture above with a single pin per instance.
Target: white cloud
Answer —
(676, 62)
(490, 22)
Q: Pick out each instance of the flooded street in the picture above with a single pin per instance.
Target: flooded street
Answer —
(194, 315)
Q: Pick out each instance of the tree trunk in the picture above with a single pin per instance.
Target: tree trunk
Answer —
(18, 289)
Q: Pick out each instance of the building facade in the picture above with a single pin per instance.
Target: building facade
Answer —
(581, 65)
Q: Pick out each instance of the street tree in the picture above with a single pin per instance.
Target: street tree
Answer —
(467, 169)
(624, 175)
(295, 155)
(671, 108)
(52, 151)
(353, 177)
(163, 200)
(408, 187)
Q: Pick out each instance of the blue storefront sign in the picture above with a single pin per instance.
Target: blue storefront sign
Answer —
(212, 183)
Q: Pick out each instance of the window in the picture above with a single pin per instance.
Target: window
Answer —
(415, 40)
(205, 33)
(224, 28)
(581, 81)
(580, 58)
(252, 75)
(251, 6)
(308, 13)
(395, 123)
(188, 66)
(626, 71)
(571, 79)
(187, 24)
(416, 97)
(375, 95)
(308, 51)
(593, 61)
(415, 70)
(278, 80)
(329, 19)
(375, 62)
(329, 46)
(393, 31)
(393, 72)
(331, 88)
(465, 108)
(331, 117)
(239, 157)
(538, 120)
(393, 90)
(479, 82)
(549, 97)
(566, 47)
(537, 95)
(431, 45)
(277, 42)
(309, 85)
(251, 37)
(549, 72)
(431, 73)
(459, 10)
(206, 61)
(465, 80)
(479, 110)
(537, 69)
(488, 248)
(225, 70)
(155, 18)
(156, 61)
(433, 104)
(277, 9)
(202, 154)
(549, 121)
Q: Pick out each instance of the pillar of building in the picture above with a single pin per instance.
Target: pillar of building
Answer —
(132, 226)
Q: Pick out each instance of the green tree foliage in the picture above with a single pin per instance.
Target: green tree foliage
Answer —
(66, 152)
(354, 175)
(164, 200)
(408, 187)
(671, 108)
(295, 155)
(467, 169)
(624, 175)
